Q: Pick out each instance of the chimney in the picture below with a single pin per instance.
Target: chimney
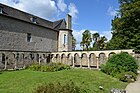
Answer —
(68, 21)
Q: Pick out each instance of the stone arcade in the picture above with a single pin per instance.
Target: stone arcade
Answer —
(27, 39)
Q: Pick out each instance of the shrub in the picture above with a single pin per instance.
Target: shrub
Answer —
(127, 77)
(59, 88)
(119, 63)
(51, 67)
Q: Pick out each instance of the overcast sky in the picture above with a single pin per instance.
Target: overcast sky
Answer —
(94, 15)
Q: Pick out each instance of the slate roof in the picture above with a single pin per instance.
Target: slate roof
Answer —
(15, 13)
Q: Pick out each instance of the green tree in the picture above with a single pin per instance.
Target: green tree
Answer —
(126, 26)
(73, 43)
(102, 43)
(99, 42)
(95, 37)
(86, 40)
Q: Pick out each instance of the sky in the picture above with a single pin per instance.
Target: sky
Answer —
(92, 15)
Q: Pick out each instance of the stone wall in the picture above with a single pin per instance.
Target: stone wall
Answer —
(13, 36)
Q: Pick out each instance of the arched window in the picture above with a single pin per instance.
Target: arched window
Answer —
(64, 39)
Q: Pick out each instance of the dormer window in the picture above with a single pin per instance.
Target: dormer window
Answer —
(1, 10)
(34, 20)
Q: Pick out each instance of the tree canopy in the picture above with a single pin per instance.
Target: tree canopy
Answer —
(126, 26)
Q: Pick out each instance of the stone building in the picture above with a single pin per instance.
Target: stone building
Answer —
(25, 32)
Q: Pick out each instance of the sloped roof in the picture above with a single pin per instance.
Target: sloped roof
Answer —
(60, 24)
(15, 13)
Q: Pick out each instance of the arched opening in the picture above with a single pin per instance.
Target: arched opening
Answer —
(37, 58)
(76, 60)
(20, 62)
(3, 58)
(2, 61)
(93, 60)
(84, 60)
(11, 61)
(110, 54)
(102, 58)
(69, 60)
(57, 58)
(63, 58)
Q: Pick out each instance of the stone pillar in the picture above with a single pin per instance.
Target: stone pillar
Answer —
(80, 62)
(88, 62)
(97, 58)
(6, 60)
(39, 59)
(73, 65)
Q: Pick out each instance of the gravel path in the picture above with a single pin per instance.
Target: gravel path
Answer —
(134, 87)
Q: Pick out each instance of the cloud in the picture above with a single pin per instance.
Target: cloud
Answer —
(42, 8)
(78, 35)
(61, 5)
(73, 11)
(47, 9)
(107, 34)
(111, 11)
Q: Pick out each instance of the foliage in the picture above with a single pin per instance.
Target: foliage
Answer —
(59, 88)
(51, 67)
(99, 42)
(127, 77)
(73, 43)
(119, 63)
(126, 26)
(86, 40)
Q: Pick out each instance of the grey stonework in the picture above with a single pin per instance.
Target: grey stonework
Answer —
(13, 36)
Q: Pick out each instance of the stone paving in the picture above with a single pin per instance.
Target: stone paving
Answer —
(134, 87)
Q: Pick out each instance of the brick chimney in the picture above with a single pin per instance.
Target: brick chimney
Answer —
(69, 21)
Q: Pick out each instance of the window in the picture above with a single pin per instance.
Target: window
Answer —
(1, 10)
(28, 37)
(34, 20)
(65, 39)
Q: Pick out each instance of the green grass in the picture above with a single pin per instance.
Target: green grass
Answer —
(25, 81)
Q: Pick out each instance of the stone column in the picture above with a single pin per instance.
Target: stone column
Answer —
(73, 65)
(39, 59)
(97, 58)
(6, 59)
(80, 59)
(88, 62)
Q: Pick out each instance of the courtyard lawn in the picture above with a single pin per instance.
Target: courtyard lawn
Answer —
(25, 81)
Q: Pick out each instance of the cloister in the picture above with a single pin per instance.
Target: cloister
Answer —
(88, 59)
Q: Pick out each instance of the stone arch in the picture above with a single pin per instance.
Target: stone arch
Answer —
(69, 59)
(102, 58)
(63, 59)
(57, 58)
(84, 59)
(11, 61)
(110, 54)
(76, 60)
(92, 60)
